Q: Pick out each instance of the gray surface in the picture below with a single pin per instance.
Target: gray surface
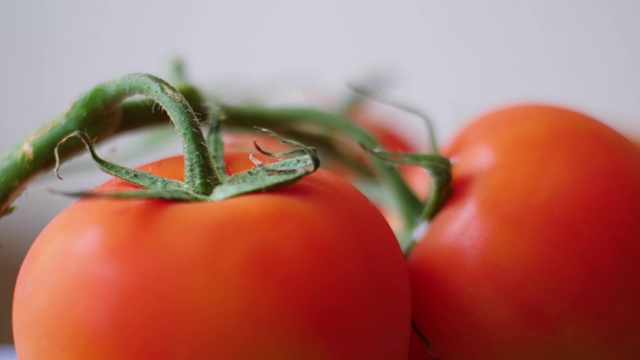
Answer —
(7, 353)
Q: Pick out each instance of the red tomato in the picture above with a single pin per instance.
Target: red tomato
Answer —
(381, 129)
(241, 142)
(417, 348)
(537, 253)
(309, 271)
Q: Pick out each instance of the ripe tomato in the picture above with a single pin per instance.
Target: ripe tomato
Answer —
(536, 254)
(380, 128)
(308, 271)
(245, 142)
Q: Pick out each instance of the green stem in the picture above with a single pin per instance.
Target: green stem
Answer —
(409, 205)
(366, 93)
(200, 174)
(101, 113)
(216, 145)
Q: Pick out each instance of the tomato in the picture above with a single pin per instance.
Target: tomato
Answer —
(241, 141)
(536, 254)
(308, 271)
(381, 128)
(418, 350)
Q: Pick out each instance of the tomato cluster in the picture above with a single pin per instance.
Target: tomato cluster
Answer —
(534, 256)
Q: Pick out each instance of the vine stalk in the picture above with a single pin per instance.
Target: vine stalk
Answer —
(101, 113)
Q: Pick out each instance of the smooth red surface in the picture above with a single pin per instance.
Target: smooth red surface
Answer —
(309, 271)
(537, 253)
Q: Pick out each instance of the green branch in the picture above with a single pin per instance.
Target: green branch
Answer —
(309, 119)
(101, 113)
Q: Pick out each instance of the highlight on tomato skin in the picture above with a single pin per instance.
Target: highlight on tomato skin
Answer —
(535, 255)
(307, 271)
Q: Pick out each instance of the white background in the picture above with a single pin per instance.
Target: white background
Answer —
(453, 59)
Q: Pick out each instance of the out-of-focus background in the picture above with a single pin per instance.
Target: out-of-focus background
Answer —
(452, 59)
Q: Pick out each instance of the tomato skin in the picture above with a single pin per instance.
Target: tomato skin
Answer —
(309, 271)
(535, 256)
(381, 128)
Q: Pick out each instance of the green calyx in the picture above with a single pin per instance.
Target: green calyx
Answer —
(107, 110)
(205, 175)
(123, 105)
(439, 167)
(300, 122)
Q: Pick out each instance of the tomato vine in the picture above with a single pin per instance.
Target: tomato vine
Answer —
(112, 107)
(109, 109)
